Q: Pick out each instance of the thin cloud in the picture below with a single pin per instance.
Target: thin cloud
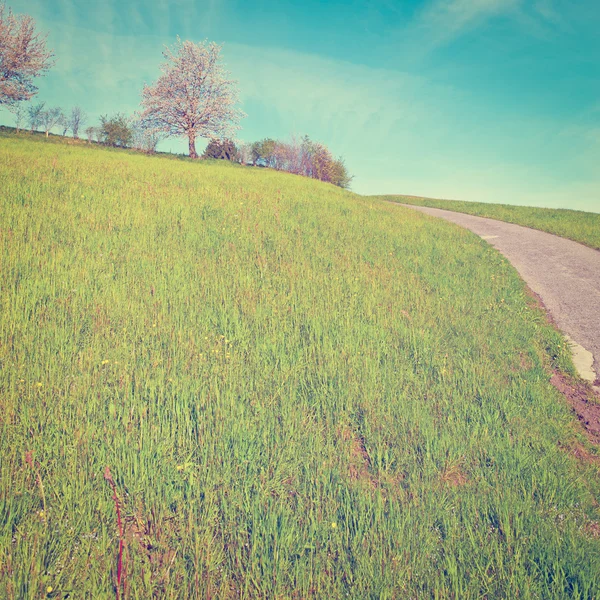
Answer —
(441, 21)
(547, 10)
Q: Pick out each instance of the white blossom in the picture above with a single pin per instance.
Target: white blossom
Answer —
(23, 56)
(194, 96)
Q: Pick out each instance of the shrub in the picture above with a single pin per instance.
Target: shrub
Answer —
(115, 131)
(221, 149)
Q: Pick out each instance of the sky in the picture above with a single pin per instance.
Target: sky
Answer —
(483, 100)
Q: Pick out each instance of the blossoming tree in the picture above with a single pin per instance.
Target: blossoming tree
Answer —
(23, 56)
(194, 96)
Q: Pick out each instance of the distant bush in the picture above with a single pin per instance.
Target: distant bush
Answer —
(221, 149)
(91, 133)
(302, 157)
(115, 131)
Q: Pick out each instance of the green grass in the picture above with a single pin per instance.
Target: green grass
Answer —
(300, 393)
(577, 225)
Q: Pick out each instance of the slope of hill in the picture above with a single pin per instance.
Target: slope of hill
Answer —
(576, 225)
(298, 392)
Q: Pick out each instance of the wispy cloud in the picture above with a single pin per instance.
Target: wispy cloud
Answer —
(441, 21)
(348, 105)
(548, 11)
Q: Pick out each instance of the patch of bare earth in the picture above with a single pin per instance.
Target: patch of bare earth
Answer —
(360, 462)
(453, 475)
(581, 400)
(593, 529)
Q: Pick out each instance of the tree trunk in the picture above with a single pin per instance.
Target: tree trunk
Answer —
(192, 140)
(47, 133)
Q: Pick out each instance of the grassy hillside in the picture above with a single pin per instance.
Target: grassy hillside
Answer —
(298, 393)
(577, 225)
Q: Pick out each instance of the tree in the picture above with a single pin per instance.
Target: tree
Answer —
(144, 137)
(224, 150)
(302, 157)
(340, 175)
(19, 112)
(244, 153)
(115, 131)
(263, 152)
(75, 120)
(23, 57)
(294, 156)
(34, 114)
(321, 161)
(50, 118)
(63, 123)
(194, 96)
(91, 134)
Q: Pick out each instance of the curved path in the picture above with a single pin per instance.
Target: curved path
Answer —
(565, 274)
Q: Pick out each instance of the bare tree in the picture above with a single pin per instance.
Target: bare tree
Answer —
(76, 119)
(19, 111)
(244, 153)
(145, 137)
(194, 96)
(63, 123)
(89, 134)
(34, 115)
(23, 56)
(50, 118)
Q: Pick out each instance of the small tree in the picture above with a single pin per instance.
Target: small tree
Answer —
(144, 137)
(340, 175)
(23, 57)
(115, 131)
(50, 118)
(19, 112)
(221, 149)
(244, 153)
(76, 119)
(90, 133)
(194, 97)
(294, 156)
(321, 161)
(263, 152)
(34, 115)
(63, 123)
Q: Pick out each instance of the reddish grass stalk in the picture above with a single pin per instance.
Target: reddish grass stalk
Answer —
(120, 572)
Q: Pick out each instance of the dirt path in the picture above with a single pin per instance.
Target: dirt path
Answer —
(565, 274)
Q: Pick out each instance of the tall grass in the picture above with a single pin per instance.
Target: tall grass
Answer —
(577, 225)
(298, 393)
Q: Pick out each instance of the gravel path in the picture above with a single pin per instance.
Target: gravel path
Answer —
(565, 274)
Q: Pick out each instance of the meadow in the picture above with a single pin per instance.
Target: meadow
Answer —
(576, 225)
(228, 382)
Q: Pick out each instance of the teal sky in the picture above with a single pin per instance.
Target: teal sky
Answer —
(490, 100)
